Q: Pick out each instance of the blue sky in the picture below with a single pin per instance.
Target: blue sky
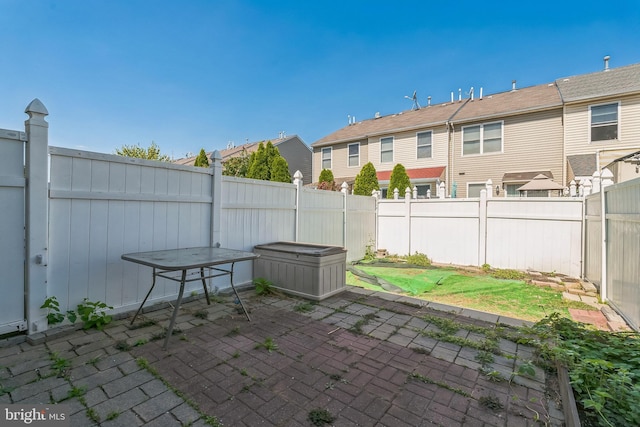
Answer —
(197, 74)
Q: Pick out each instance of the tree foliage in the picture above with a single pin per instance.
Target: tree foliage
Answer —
(399, 179)
(150, 153)
(366, 181)
(237, 166)
(263, 161)
(280, 170)
(202, 160)
(326, 180)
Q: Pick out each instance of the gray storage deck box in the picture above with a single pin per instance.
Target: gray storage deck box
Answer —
(303, 269)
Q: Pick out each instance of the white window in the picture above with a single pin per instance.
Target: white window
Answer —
(386, 150)
(424, 145)
(473, 190)
(354, 154)
(604, 122)
(326, 158)
(481, 139)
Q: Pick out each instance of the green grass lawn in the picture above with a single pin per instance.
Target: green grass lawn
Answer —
(513, 298)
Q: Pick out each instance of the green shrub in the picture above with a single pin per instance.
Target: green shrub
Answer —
(366, 181)
(418, 259)
(399, 179)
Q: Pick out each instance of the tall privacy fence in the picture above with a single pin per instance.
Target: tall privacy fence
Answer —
(612, 246)
(64, 232)
(81, 211)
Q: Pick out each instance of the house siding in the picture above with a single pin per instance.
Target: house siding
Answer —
(298, 157)
(404, 152)
(577, 128)
(531, 142)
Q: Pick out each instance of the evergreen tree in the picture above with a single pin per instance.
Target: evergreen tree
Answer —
(258, 166)
(280, 170)
(399, 179)
(202, 160)
(366, 181)
(267, 164)
(150, 153)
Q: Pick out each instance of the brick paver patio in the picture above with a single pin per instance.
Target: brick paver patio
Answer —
(368, 359)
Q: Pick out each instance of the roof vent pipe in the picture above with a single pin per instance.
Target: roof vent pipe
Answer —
(471, 93)
(459, 94)
(451, 96)
(481, 93)
(513, 85)
(428, 100)
(606, 63)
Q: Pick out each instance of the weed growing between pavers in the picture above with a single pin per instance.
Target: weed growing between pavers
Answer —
(304, 307)
(112, 415)
(357, 327)
(320, 417)
(427, 380)
(269, 344)
(201, 314)
(492, 402)
(144, 324)
(122, 345)
(59, 365)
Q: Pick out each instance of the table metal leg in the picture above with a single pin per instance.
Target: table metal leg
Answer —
(204, 285)
(175, 309)
(153, 284)
(246, 313)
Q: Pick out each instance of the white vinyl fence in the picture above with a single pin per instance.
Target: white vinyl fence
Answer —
(543, 234)
(64, 234)
(622, 203)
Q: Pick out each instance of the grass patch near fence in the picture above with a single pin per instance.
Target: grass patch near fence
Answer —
(513, 298)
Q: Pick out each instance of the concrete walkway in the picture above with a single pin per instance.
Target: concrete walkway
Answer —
(358, 358)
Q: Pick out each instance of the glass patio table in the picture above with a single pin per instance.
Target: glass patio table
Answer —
(175, 264)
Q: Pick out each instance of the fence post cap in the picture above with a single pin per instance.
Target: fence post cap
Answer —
(36, 106)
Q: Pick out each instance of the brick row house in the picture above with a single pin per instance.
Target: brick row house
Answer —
(563, 130)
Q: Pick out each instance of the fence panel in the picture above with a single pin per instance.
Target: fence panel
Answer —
(446, 230)
(393, 227)
(254, 212)
(321, 217)
(593, 238)
(361, 226)
(12, 223)
(623, 249)
(538, 234)
(102, 206)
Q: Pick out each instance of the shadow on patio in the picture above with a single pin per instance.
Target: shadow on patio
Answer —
(359, 358)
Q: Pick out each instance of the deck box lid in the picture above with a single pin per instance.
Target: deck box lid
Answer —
(309, 249)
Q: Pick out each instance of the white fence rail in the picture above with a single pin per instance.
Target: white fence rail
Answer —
(533, 233)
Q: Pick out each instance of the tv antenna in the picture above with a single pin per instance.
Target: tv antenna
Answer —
(414, 98)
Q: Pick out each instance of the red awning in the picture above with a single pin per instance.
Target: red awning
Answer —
(422, 173)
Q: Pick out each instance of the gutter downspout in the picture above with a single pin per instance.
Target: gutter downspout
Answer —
(450, 140)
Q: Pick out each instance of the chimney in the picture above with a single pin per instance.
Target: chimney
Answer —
(451, 96)
(513, 85)
(471, 92)
(606, 63)
(459, 94)
(480, 93)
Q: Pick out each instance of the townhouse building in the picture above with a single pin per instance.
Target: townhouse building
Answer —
(564, 130)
